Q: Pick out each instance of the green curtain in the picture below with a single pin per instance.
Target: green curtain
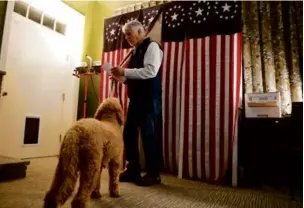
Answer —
(273, 46)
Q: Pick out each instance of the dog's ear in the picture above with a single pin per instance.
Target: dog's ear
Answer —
(119, 117)
(98, 113)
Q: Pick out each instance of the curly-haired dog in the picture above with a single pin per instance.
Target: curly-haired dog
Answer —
(88, 146)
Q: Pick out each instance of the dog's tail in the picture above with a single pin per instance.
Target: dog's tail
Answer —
(66, 173)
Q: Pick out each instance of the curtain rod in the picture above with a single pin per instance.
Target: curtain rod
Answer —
(137, 6)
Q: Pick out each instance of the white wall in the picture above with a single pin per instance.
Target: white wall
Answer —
(39, 63)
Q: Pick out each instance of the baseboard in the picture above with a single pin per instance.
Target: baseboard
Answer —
(30, 158)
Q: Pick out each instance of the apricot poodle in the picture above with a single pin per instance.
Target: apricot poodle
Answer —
(88, 146)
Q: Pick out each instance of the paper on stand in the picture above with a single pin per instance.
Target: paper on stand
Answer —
(265, 105)
(107, 67)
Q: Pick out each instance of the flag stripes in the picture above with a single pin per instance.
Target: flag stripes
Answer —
(171, 77)
(209, 102)
(113, 58)
(201, 84)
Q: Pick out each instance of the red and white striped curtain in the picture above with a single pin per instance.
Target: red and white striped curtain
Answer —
(201, 88)
(201, 81)
(113, 58)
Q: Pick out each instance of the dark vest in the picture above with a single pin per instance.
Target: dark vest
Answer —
(143, 92)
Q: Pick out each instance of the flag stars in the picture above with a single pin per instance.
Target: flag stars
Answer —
(174, 16)
(151, 19)
(111, 31)
(226, 7)
(199, 12)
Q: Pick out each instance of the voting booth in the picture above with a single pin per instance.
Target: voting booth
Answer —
(263, 105)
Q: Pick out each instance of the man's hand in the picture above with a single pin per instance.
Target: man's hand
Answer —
(112, 77)
(118, 71)
(119, 79)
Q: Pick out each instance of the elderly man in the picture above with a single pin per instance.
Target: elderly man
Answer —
(143, 80)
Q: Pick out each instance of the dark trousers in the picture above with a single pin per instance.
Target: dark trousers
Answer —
(149, 122)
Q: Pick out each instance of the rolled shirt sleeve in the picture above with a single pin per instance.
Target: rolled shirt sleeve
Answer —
(152, 62)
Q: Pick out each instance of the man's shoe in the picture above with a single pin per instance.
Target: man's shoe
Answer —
(129, 176)
(149, 180)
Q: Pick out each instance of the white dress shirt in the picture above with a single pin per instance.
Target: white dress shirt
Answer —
(152, 61)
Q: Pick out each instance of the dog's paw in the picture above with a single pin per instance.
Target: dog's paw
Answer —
(78, 203)
(114, 194)
(95, 195)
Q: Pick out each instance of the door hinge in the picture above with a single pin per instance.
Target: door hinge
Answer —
(60, 137)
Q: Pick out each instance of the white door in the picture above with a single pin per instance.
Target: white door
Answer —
(36, 64)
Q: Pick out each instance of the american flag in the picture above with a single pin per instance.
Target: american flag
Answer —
(201, 84)
(201, 75)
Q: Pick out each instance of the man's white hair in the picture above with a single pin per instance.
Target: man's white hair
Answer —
(133, 25)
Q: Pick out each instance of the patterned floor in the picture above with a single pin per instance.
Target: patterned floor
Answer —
(172, 193)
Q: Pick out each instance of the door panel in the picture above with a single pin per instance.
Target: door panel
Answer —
(34, 83)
